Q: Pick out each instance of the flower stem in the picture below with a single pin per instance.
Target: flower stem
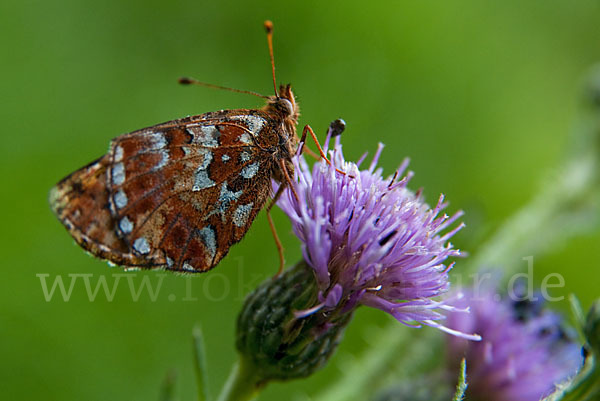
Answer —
(243, 383)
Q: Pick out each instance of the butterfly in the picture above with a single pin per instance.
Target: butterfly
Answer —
(178, 195)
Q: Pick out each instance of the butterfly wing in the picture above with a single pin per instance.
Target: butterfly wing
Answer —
(80, 201)
(176, 195)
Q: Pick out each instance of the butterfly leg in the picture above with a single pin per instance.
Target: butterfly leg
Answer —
(274, 230)
(308, 151)
(284, 184)
(308, 129)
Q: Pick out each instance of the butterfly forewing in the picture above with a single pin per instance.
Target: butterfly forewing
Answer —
(176, 195)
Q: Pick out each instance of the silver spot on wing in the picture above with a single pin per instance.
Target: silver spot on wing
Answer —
(118, 174)
(225, 198)
(118, 153)
(158, 140)
(250, 170)
(120, 199)
(164, 159)
(141, 245)
(244, 157)
(201, 178)
(207, 235)
(254, 123)
(202, 181)
(205, 135)
(125, 225)
(187, 267)
(246, 139)
(241, 214)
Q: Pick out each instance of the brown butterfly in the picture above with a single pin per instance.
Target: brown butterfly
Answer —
(178, 195)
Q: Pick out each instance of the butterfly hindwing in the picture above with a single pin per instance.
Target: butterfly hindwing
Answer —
(81, 202)
(174, 196)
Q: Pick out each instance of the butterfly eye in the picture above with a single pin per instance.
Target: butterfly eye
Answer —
(287, 107)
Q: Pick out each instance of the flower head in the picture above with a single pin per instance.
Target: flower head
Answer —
(524, 352)
(370, 240)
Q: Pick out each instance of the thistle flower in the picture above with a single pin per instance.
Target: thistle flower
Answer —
(370, 240)
(524, 353)
(366, 241)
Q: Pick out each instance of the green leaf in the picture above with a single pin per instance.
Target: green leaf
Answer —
(461, 386)
(200, 364)
(578, 315)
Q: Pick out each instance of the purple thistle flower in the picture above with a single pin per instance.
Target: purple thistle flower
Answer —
(370, 240)
(524, 353)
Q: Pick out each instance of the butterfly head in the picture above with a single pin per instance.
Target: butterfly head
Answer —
(284, 105)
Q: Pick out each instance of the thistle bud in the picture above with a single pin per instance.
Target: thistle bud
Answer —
(276, 338)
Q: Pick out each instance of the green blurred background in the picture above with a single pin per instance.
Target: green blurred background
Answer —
(480, 95)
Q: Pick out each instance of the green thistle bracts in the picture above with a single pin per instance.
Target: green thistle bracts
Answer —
(280, 345)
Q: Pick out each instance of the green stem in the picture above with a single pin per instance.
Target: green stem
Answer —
(243, 383)
(461, 387)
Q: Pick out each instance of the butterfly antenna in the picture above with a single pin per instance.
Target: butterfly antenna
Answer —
(269, 29)
(192, 81)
